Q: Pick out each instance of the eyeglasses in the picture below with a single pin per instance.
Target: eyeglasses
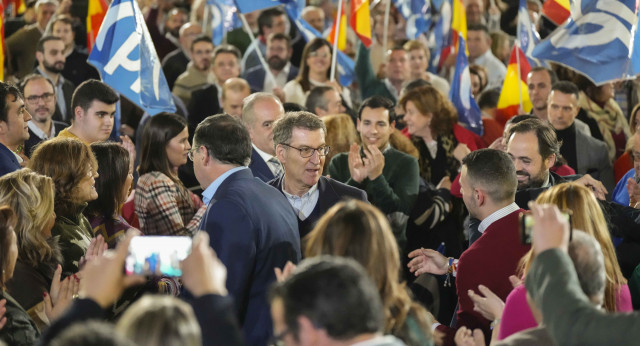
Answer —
(46, 97)
(308, 152)
(192, 152)
(276, 340)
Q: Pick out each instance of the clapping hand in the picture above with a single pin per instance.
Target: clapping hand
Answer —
(60, 294)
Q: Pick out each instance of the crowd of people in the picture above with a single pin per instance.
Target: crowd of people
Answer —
(319, 213)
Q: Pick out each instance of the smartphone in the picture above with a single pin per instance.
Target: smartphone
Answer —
(526, 226)
(157, 255)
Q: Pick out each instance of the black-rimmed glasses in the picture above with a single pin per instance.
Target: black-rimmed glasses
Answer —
(306, 152)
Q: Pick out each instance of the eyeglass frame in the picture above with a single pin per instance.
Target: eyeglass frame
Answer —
(46, 97)
(191, 152)
(325, 148)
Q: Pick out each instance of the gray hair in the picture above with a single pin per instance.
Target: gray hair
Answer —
(283, 128)
(587, 257)
(249, 102)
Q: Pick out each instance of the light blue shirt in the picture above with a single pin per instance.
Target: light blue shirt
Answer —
(303, 205)
(210, 191)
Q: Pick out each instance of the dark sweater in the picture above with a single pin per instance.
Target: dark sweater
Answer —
(568, 148)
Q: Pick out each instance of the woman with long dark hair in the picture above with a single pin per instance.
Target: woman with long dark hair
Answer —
(163, 204)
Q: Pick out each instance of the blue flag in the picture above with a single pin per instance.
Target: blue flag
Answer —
(469, 113)
(246, 6)
(597, 40)
(127, 60)
(417, 14)
(527, 34)
(345, 65)
(441, 37)
(223, 18)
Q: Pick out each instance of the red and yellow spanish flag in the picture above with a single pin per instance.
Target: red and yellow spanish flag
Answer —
(512, 94)
(342, 34)
(361, 21)
(557, 10)
(95, 16)
(2, 41)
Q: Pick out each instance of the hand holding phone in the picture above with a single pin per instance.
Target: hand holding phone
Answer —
(157, 255)
(527, 223)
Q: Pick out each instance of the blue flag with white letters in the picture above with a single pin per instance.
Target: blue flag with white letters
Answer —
(417, 14)
(460, 94)
(345, 65)
(597, 40)
(127, 60)
(527, 34)
(223, 18)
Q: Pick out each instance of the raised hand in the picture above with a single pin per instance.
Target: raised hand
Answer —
(202, 271)
(356, 165)
(490, 306)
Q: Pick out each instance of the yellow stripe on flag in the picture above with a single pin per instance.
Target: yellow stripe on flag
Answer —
(360, 20)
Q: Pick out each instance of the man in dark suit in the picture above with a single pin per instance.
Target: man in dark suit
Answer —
(299, 139)
(252, 227)
(259, 112)
(278, 55)
(40, 102)
(51, 61)
(533, 146)
(13, 128)
(583, 153)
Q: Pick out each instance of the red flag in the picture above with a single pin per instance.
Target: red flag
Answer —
(95, 16)
(361, 21)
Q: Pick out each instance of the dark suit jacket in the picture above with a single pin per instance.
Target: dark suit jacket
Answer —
(593, 158)
(331, 192)
(255, 76)
(29, 144)
(259, 168)
(203, 103)
(253, 230)
(67, 88)
(77, 70)
(173, 65)
(8, 161)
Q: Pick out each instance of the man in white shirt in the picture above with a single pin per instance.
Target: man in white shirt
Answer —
(259, 112)
(479, 45)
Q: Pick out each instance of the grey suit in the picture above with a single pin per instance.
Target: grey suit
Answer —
(568, 315)
(593, 158)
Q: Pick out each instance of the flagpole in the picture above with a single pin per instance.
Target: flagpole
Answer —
(253, 39)
(517, 51)
(205, 18)
(385, 37)
(336, 34)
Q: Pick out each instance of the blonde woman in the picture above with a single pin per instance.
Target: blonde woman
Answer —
(358, 230)
(587, 216)
(31, 196)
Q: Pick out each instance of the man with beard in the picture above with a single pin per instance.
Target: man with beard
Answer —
(13, 128)
(51, 60)
(278, 55)
(167, 42)
(533, 146)
(40, 101)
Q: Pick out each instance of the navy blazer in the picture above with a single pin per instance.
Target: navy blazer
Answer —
(9, 163)
(255, 76)
(259, 167)
(34, 140)
(253, 230)
(331, 192)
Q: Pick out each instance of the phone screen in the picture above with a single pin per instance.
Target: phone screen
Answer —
(157, 255)
(526, 226)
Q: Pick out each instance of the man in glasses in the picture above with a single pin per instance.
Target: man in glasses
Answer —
(299, 139)
(51, 61)
(40, 102)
